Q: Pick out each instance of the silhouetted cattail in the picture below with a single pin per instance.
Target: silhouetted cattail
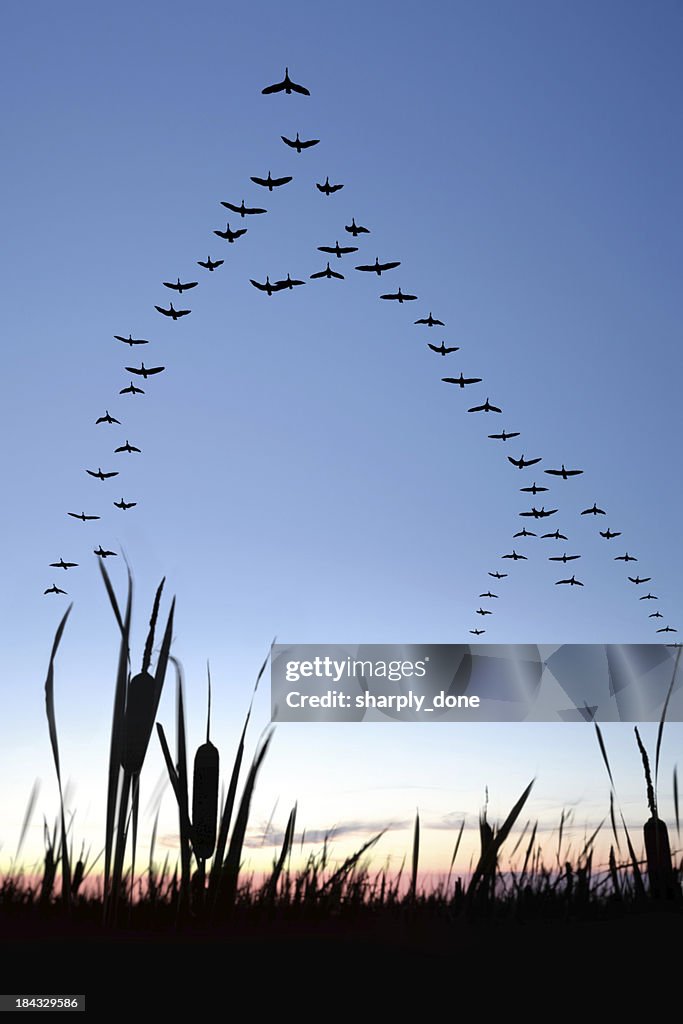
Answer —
(141, 708)
(660, 870)
(205, 800)
(205, 793)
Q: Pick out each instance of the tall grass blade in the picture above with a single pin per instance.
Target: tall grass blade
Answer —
(660, 730)
(678, 821)
(52, 728)
(229, 803)
(603, 751)
(117, 724)
(231, 866)
(28, 814)
(284, 854)
(416, 857)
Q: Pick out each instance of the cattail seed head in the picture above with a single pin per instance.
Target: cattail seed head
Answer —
(141, 707)
(205, 800)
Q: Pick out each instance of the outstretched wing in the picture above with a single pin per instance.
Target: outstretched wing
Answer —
(257, 284)
(182, 312)
(155, 369)
(298, 88)
(251, 209)
(280, 181)
(390, 266)
(166, 312)
(260, 181)
(269, 89)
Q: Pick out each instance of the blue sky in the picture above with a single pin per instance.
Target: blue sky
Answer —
(304, 472)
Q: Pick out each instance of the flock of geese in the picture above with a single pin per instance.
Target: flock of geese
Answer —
(269, 288)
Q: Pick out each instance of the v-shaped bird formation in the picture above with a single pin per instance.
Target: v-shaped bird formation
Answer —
(269, 287)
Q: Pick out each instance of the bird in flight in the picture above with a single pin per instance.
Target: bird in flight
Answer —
(145, 371)
(230, 235)
(286, 85)
(327, 188)
(524, 533)
(442, 349)
(522, 463)
(649, 597)
(563, 558)
(244, 211)
(573, 582)
(267, 287)
(100, 475)
(564, 473)
(288, 282)
(175, 314)
(498, 575)
(103, 553)
(486, 407)
(667, 629)
(127, 448)
(210, 264)
(554, 536)
(131, 390)
(54, 589)
(180, 288)
(637, 579)
(327, 273)
(298, 144)
(82, 516)
(125, 504)
(655, 615)
(399, 296)
(61, 564)
(377, 267)
(626, 558)
(515, 556)
(488, 594)
(430, 321)
(534, 489)
(504, 436)
(461, 381)
(107, 418)
(130, 340)
(356, 229)
(484, 611)
(539, 513)
(608, 534)
(337, 249)
(271, 183)
(594, 511)
(477, 632)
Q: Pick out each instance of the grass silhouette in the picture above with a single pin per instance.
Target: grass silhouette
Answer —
(207, 896)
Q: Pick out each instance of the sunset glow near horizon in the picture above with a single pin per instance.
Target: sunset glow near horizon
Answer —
(304, 472)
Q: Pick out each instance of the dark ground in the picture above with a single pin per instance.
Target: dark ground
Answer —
(324, 966)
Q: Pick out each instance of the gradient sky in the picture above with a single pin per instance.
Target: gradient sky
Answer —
(305, 473)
